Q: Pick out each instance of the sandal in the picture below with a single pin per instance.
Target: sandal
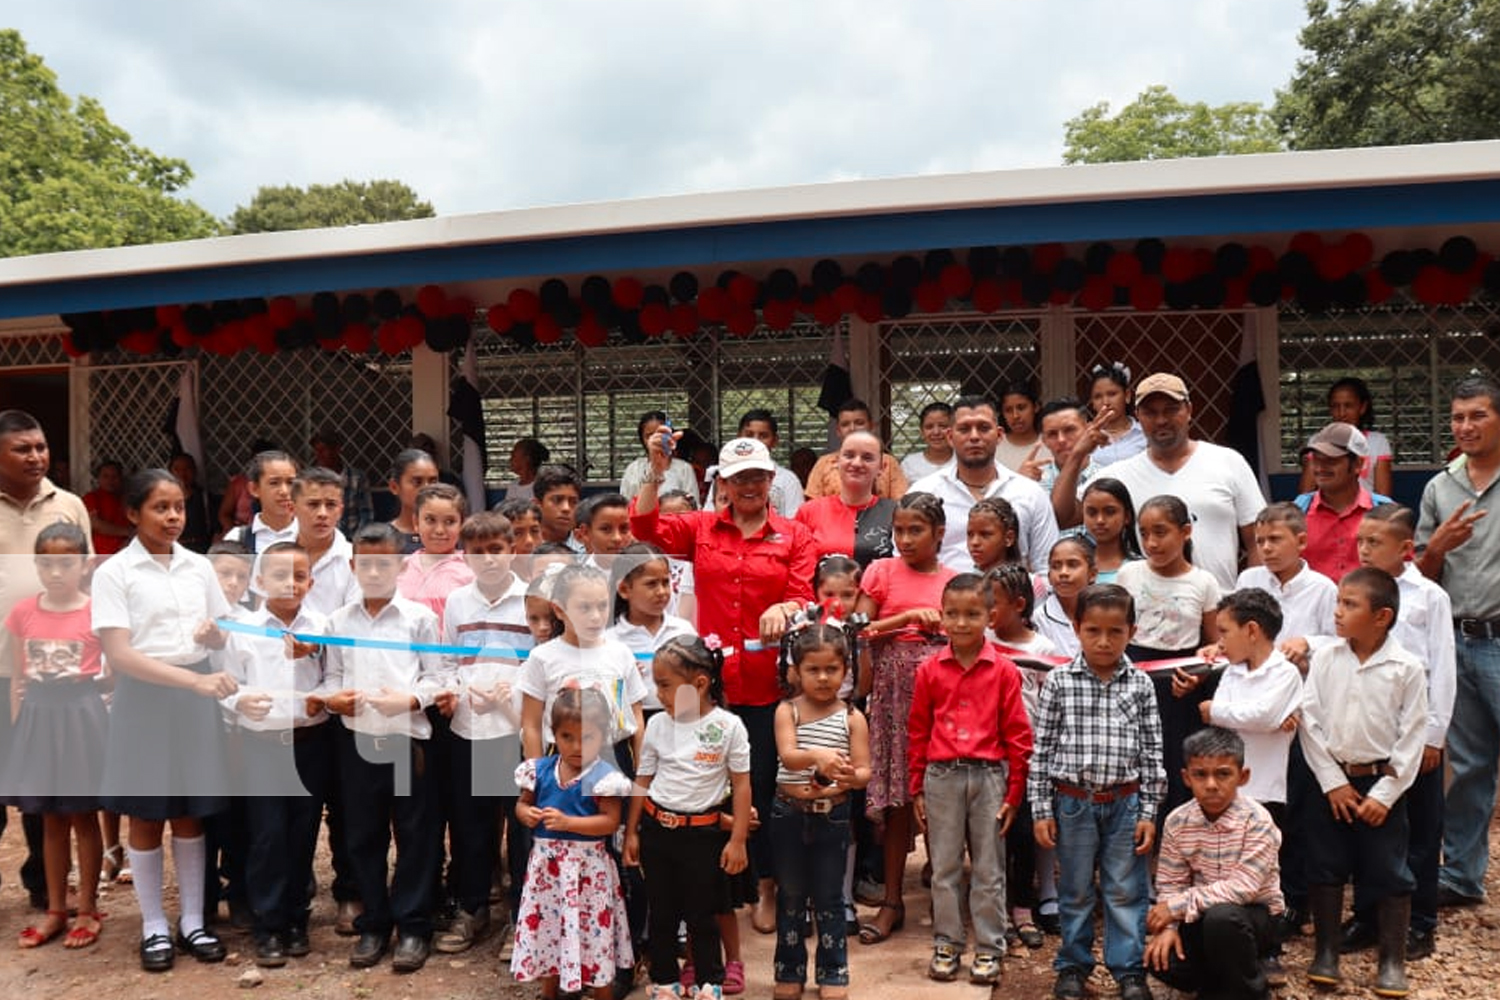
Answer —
(1030, 935)
(870, 931)
(34, 937)
(85, 930)
(734, 978)
(113, 864)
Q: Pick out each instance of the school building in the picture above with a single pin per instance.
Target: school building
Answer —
(1261, 279)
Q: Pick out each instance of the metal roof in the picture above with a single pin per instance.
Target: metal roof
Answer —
(1414, 191)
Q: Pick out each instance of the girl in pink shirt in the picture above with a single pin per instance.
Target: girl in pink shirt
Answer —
(902, 597)
(436, 569)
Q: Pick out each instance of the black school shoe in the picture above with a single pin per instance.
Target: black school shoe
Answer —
(157, 953)
(412, 951)
(203, 944)
(296, 943)
(369, 949)
(270, 952)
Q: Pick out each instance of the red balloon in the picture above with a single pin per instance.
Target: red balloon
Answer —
(627, 292)
(283, 311)
(1177, 264)
(654, 319)
(1428, 286)
(956, 281)
(1262, 258)
(684, 320)
(1306, 243)
(714, 304)
(432, 300)
(929, 297)
(1236, 293)
(1097, 295)
(826, 311)
(846, 297)
(1332, 262)
(779, 314)
(546, 330)
(1046, 257)
(987, 296)
(591, 332)
(741, 322)
(1123, 268)
(1146, 295)
(71, 349)
(331, 343)
(257, 330)
(181, 336)
(1377, 289)
(524, 305)
(499, 318)
(140, 341)
(169, 316)
(744, 290)
(389, 338)
(869, 308)
(461, 306)
(1359, 249)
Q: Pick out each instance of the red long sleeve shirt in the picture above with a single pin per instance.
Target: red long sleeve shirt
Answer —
(973, 713)
(736, 578)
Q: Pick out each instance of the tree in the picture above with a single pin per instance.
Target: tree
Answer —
(1159, 126)
(1393, 72)
(70, 179)
(347, 203)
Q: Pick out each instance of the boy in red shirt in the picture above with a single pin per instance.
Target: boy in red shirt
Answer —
(970, 746)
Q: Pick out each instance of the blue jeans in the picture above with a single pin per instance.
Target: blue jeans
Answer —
(1473, 741)
(810, 850)
(1100, 835)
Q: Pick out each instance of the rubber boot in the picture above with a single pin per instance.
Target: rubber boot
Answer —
(1326, 903)
(1394, 918)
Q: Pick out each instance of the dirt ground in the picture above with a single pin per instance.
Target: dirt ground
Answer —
(1467, 963)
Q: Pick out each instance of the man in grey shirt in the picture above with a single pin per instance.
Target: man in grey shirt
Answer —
(1459, 544)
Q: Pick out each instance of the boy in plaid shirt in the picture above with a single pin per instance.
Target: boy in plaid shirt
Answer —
(1096, 783)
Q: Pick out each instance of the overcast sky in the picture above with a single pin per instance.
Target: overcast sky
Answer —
(485, 104)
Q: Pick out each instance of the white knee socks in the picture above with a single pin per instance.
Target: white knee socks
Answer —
(146, 871)
(189, 856)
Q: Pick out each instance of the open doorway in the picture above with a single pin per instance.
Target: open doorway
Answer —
(43, 392)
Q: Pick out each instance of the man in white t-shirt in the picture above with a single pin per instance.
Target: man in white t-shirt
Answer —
(973, 474)
(1217, 484)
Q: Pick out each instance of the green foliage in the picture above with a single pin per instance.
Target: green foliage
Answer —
(1159, 126)
(70, 179)
(347, 203)
(1394, 72)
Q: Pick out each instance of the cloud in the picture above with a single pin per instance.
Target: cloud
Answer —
(484, 106)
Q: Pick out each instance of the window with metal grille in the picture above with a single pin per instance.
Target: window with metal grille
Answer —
(41, 350)
(1410, 356)
(585, 403)
(938, 359)
(128, 406)
(1202, 347)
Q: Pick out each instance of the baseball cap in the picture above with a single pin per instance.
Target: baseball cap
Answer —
(1338, 441)
(1164, 383)
(744, 455)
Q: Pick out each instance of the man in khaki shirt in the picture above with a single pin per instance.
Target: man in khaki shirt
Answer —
(28, 503)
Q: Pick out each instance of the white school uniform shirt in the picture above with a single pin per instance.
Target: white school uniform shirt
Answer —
(1306, 600)
(473, 620)
(1168, 609)
(916, 465)
(1053, 622)
(1254, 703)
(1358, 713)
(333, 582)
(1424, 627)
(689, 763)
(260, 665)
(638, 639)
(161, 605)
(422, 675)
(1032, 506)
(264, 536)
(608, 667)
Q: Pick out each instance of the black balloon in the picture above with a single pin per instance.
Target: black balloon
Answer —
(225, 311)
(781, 284)
(896, 302)
(1096, 257)
(1398, 268)
(1457, 254)
(254, 307)
(1178, 295)
(1150, 252)
(1491, 278)
(1265, 288)
(984, 262)
(1015, 262)
(1069, 275)
(567, 313)
(630, 328)
(656, 295)
(1350, 291)
(1296, 267)
(827, 275)
(906, 272)
(684, 286)
(387, 303)
(870, 278)
(1036, 288)
(595, 291)
(1208, 291)
(934, 261)
(355, 308)
(1231, 259)
(554, 292)
(198, 319)
(325, 306)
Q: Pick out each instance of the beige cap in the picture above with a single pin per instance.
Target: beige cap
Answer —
(1163, 383)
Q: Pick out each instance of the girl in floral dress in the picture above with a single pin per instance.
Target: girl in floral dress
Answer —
(571, 931)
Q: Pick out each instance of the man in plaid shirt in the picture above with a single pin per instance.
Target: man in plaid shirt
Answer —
(1096, 783)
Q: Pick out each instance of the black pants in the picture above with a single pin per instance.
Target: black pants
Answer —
(1424, 815)
(760, 726)
(682, 869)
(1180, 718)
(478, 771)
(1224, 947)
(1303, 796)
(393, 794)
(281, 826)
(33, 876)
(1374, 856)
(344, 889)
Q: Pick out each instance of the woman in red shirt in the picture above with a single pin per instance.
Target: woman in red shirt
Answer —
(854, 521)
(107, 521)
(754, 570)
